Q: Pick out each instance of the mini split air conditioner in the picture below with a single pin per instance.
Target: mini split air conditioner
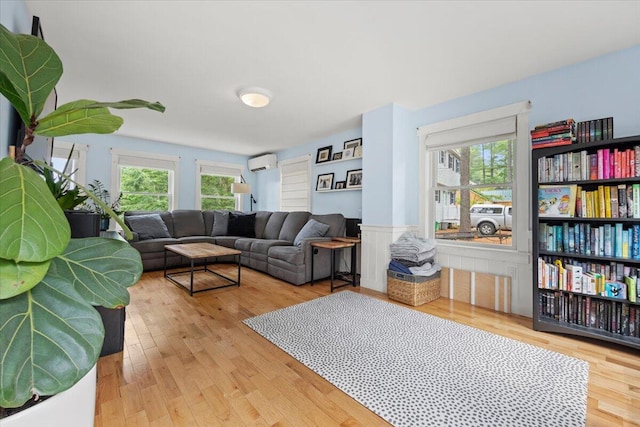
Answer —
(266, 161)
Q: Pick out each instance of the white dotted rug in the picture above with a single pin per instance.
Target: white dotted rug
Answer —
(414, 369)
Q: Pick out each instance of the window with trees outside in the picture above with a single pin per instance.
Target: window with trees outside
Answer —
(472, 191)
(213, 186)
(478, 182)
(146, 181)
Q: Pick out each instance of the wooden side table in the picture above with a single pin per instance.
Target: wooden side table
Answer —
(333, 246)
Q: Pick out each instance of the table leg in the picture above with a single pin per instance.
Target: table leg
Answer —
(333, 266)
(165, 263)
(314, 251)
(191, 280)
(238, 260)
(353, 265)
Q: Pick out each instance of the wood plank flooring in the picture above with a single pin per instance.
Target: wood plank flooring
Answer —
(190, 361)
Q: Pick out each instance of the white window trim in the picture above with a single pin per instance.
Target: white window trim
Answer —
(145, 159)
(238, 170)
(299, 159)
(62, 148)
(440, 135)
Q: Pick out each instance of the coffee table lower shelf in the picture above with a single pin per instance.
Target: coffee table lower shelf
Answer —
(197, 252)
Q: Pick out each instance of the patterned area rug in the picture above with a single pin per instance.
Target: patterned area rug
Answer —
(414, 369)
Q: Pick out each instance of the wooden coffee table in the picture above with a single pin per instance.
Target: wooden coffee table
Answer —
(200, 251)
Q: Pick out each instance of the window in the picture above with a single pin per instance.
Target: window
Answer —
(147, 181)
(77, 166)
(213, 186)
(480, 177)
(295, 187)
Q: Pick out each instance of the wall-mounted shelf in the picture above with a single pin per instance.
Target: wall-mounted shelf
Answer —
(330, 162)
(340, 189)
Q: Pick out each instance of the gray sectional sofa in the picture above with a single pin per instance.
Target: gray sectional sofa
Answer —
(272, 242)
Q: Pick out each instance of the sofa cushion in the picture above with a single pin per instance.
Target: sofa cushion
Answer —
(274, 225)
(149, 226)
(187, 223)
(262, 246)
(243, 225)
(220, 223)
(165, 215)
(290, 254)
(261, 222)
(293, 224)
(244, 244)
(312, 228)
(154, 245)
(227, 241)
(336, 222)
(208, 222)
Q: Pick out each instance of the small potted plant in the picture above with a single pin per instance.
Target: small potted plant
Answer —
(97, 188)
(50, 333)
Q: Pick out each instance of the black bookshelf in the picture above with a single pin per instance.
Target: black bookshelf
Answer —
(565, 311)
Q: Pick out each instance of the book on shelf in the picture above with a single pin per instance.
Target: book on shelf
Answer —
(595, 130)
(553, 134)
(557, 200)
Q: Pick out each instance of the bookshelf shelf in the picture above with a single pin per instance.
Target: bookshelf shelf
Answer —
(601, 247)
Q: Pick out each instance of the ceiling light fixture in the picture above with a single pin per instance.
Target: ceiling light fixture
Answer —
(255, 97)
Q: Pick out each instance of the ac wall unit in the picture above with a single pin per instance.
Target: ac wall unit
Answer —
(266, 161)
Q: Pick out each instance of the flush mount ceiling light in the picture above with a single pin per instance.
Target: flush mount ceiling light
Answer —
(256, 97)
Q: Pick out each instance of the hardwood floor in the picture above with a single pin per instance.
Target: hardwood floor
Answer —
(190, 361)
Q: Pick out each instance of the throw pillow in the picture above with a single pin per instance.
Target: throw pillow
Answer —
(312, 228)
(148, 226)
(220, 223)
(243, 225)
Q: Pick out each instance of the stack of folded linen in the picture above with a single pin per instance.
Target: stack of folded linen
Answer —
(411, 254)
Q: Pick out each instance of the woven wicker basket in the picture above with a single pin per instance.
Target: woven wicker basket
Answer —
(412, 290)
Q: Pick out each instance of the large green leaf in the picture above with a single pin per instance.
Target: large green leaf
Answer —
(29, 70)
(20, 277)
(100, 269)
(130, 103)
(76, 118)
(49, 339)
(33, 228)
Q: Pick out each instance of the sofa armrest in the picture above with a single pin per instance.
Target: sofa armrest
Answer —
(135, 236)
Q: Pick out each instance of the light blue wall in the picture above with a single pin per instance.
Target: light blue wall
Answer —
(349, 203)
(99, 162)
(605, 86)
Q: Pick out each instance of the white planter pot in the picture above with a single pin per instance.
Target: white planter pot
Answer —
(71, 408)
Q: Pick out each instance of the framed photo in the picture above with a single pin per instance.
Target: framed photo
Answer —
(358, 151)
(353, 143)
(324, 154)
(337, 156)
(354, 178)
(325, 182)
(340, 185)
(347, 153)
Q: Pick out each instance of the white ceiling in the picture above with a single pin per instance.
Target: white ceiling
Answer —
(326, 62)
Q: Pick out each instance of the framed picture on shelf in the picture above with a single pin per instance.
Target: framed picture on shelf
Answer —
(341, 185)
(337, 156)
(353, 143)
(354, 178)
(347, 153)
(324, 154)
(357, 152)
(325, 182)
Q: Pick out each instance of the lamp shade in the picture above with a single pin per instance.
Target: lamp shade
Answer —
(240, 188)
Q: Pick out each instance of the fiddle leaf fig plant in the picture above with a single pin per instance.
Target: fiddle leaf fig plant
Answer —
(50, 333)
